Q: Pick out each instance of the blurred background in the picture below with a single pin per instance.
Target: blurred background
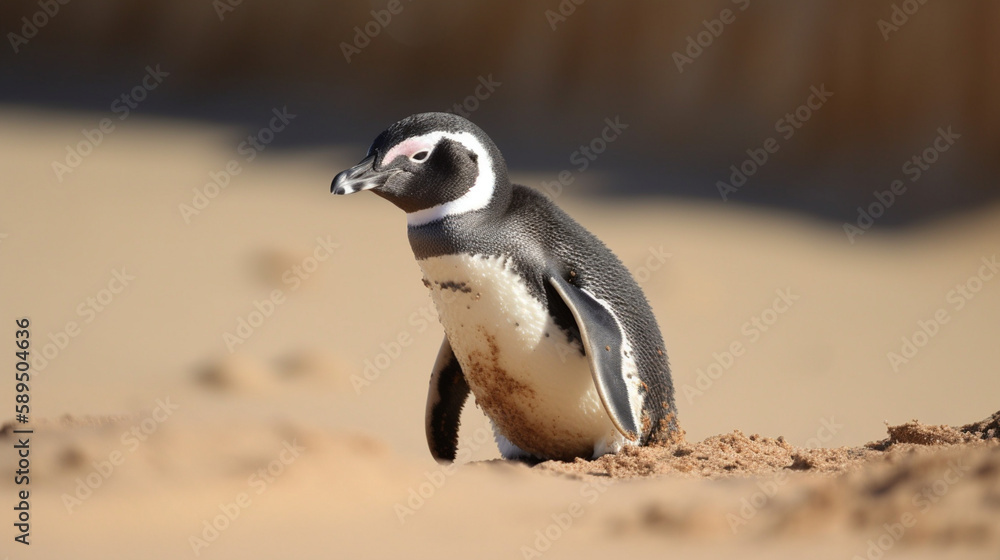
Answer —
(693, 107)
(806, 192)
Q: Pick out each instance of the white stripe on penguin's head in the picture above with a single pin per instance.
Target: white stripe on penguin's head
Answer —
(476, 198)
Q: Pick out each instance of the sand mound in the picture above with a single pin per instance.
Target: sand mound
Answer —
(986, 429)
(922, 434)
(736, 454)
(732, 454)
(931, 484)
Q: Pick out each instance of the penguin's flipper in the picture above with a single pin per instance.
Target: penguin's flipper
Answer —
(602, 342)
(445, 398)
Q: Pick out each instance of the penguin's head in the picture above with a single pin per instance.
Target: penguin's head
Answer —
(431, 165)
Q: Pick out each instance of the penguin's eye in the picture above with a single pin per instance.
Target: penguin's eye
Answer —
(420, 156)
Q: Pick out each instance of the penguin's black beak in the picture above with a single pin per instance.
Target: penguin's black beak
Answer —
(361, 177)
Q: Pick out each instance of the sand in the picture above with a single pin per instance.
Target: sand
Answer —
(324, 490)
(153, 440)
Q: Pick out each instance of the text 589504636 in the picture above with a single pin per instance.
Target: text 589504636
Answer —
(22, 436)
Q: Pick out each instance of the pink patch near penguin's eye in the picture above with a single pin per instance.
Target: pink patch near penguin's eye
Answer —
(409, 148)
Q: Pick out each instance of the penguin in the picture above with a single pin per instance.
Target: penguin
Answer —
(543, 324)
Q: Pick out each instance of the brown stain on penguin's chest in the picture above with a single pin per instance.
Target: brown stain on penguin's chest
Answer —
(503, 397)
(511, 405)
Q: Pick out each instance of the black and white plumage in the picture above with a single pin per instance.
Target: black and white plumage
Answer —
(543, 324)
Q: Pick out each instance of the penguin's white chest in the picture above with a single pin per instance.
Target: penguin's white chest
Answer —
(535, 386)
